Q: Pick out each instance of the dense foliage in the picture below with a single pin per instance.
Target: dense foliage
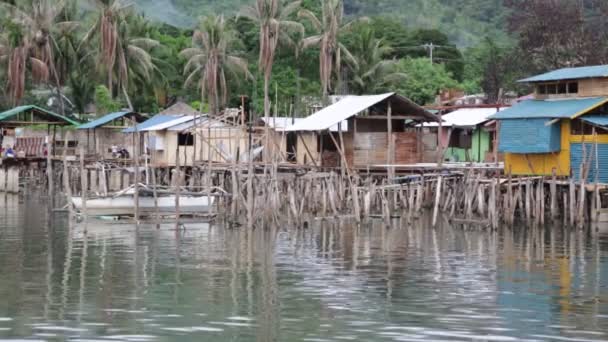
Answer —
(111, 54)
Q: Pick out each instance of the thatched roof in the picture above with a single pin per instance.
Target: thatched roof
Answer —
(180, 108)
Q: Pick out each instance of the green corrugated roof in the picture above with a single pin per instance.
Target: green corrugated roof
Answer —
(552, 109)
(21, 109)
(570, 74)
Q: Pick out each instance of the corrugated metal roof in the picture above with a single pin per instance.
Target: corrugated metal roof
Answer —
(201, 122)
(564, 109)
(598, 120)
(465, 117)
(103, 120)
(155, 120)
(281, 123)
(21, 109)
(570, 74)
(338, 112)
(168, 124)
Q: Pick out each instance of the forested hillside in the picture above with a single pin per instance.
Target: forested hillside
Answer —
(282, 54)
(465, 21)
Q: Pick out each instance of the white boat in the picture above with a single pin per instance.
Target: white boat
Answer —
(124, 205)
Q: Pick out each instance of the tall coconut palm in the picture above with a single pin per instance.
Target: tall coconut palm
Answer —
(373, 73)
(327, 37)
(120, 55)
(32, 39)
(209, 58)
(273, 19)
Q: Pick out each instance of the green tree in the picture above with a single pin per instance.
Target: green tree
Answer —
(210, 58)
(104, 103)
(273, 19)
(122, 55)
(327, 30)
(374, 73)
(492, 68)
(424, 80)
(31, 27)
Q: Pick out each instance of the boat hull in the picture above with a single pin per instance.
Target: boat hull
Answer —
(124, 205)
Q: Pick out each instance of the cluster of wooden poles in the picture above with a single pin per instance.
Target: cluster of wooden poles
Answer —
(256, 195)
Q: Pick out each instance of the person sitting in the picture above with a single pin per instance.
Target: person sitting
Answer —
(10, 153)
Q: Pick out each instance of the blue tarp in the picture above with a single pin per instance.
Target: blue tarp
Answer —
(153, 121)
(552, 109)
(103, 120)
(570, 74)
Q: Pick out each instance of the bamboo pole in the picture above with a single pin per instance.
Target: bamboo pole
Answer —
(437, 199)
(83, 183)
(66, 174)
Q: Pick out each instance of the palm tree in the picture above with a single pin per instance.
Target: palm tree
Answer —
(121, 56)
(272, 16)
(327, 34)
(209, 58)
(374, 73)
(31, 38)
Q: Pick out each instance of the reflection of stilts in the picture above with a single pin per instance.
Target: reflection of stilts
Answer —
(83, 267)
(67, 265)
(49, 268)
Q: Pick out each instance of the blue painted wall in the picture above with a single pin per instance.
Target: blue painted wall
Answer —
(529, 136)
(576, 159)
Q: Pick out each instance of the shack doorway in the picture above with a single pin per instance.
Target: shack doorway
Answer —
(291, 147)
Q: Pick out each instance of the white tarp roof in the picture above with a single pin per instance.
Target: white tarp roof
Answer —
(338, 112)
(281, 123)
(465, 117)
(169, 124)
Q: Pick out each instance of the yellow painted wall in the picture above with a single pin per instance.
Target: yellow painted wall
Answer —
(543, 164)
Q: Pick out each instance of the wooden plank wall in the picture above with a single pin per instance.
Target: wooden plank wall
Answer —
(372, 148)
(593, 87)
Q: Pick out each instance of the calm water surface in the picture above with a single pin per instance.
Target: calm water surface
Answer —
(327, 283)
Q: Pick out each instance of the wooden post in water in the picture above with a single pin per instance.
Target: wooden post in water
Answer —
(437, 199)
(136, 153)
(177, 187)
(83, 183)
(49, 168)
(66, 170)
(572, 202)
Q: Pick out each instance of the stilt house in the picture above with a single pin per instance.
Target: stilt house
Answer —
(563, 130)
(380, 130)
(101, 135)
(23, 116)
(468, 135)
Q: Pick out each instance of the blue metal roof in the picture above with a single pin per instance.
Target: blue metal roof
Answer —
(553, 109)
(103, 120)
(570, 74)
(153, 121)
(599, 120)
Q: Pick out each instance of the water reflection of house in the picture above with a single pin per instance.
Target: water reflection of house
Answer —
(467, 134)
(380, 129)
(559, 129)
